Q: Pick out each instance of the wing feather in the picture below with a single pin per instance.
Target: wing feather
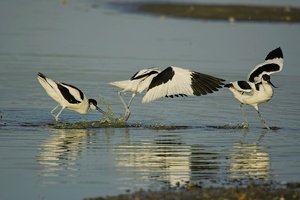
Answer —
(272, 64)
(61, 92)
(175, 81)
(50, 87)
(242, 86)
(139, 81)
(71, 93)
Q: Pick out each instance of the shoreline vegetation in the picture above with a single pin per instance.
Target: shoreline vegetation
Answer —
(224, 12)
(231, 13)
(290, 191)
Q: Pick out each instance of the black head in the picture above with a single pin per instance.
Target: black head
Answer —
(267, 78)
(93, 102)
(93, 105)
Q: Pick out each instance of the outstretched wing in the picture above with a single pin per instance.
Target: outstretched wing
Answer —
(175, 81)
(272, 64)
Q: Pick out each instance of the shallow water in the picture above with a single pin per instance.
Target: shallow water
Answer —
(167, 141)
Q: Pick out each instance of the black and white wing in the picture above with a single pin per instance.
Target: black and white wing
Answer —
(49, 85)
(61, 91)
(139, 81)
(143, 73)
(70, 93)
(175, 81)
(241, 86)
(144, 78)
(272, 64)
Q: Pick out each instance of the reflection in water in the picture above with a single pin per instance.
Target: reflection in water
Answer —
(168, 161)
(205, 162)
(164, 160)
(249, 161)
(61, 152)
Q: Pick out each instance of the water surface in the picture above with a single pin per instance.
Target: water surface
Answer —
(89, 44)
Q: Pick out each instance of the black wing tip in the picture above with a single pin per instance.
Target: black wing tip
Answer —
(221, 84)
(276, 53)
(206, 84)
(41, 75)
(176, 95)
(207, 75)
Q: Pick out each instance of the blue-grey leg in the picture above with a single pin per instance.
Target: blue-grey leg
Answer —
(52, 111)
(262, 120)
(127, 111)
(56, 117)
(129, 103)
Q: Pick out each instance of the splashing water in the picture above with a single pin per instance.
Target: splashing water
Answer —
(111, 118)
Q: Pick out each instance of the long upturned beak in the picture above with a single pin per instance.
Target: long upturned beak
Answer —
(100, 110)
(272, 84)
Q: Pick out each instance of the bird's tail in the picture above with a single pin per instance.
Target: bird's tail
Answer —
(41, 75)
(125, 85)
(42, 78)
(46, 82)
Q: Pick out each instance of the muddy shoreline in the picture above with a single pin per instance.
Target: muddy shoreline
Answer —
(271, 191)
(226, 12)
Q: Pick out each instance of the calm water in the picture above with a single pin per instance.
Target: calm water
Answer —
(87, 44)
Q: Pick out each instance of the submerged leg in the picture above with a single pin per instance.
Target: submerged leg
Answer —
(56, 117)
(52, 111)
(244, 124)
(127, 111)
(245, 119)
(262, 120)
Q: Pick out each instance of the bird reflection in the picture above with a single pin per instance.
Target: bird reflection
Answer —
(249, 161)
(61, 152)
(165, 160)
(205, 162)
(168, 160)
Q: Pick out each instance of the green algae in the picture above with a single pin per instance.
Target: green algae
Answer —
(85, 125)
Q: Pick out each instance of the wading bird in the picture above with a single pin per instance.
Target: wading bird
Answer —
(258, 88)
(171, 82)
(67, 96)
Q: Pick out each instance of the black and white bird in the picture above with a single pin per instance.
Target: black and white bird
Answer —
(171, 82)
(67, 96)
(258, 88)
(138, 83)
